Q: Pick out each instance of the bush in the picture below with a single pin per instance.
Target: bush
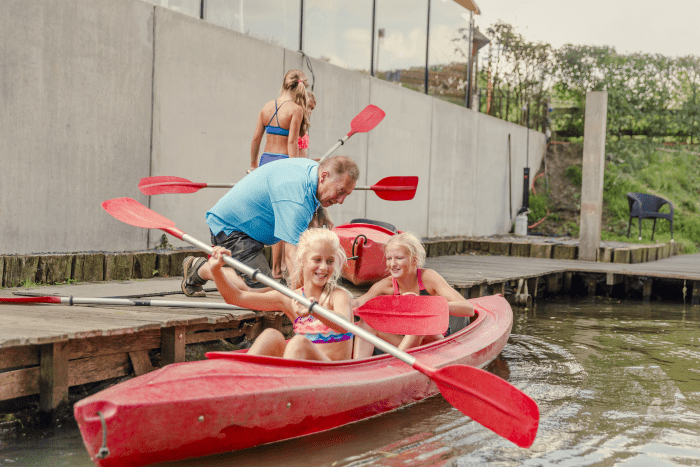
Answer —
(539, 204)
(575, 174)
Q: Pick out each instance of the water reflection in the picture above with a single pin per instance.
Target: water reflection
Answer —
(616, 383)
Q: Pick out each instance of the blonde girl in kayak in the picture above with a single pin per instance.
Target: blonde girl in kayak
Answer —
(405, 257)
(319, 260)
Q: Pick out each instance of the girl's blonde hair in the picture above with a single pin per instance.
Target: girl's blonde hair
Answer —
(311, 99)
(307, 241)
(411, 243)
(295, 82)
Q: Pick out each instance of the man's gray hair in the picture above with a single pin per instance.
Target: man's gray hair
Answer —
(339, 165)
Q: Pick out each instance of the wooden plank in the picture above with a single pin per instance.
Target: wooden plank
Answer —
(141, 362)
(564, 251)
(19, 383)
(499, 248)
(605, 254)
(541, 250)
(172, 345)
(198, 337)
(105, 345)
(651, 253)
(17, 357)
(89, 370)
(520, 249)
(53, 376)
(622, 255)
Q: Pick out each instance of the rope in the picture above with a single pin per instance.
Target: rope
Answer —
(104, 450)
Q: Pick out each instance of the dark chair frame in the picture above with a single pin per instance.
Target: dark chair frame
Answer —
(645, 206)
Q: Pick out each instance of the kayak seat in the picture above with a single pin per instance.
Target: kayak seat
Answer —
(385, 225)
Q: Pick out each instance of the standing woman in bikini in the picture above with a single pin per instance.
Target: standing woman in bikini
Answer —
(284, 119)
(319, 260)
(405, 257)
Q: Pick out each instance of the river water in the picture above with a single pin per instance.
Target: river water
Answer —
(617, 383)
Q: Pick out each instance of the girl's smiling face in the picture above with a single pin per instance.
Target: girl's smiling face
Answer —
(399, 261)
(319, 264)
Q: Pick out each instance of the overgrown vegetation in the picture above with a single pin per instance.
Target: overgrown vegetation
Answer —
(672, 173)
(644, 165)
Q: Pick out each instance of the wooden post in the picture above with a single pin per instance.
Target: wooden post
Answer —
(53, 376)
(568, 278)
(532, 287)
(696, 293)
(593, 168)
(172, 345)
(647, 289)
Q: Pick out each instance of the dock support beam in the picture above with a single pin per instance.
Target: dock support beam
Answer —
(593, 168)
(696, 293)
(53, 376)
(172, 346)
(646, 289)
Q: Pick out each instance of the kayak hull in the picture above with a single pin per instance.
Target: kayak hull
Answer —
(364, 247)
(235, 401)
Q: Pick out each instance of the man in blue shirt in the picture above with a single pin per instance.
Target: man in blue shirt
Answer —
(273, 203)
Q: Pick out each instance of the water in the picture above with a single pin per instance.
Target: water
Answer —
(616, 383)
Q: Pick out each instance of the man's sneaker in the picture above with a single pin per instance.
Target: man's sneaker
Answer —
(191, 282)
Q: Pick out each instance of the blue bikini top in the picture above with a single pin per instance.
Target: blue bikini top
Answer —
(276, 130)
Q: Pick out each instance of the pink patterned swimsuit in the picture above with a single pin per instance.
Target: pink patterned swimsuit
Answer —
(316, 331)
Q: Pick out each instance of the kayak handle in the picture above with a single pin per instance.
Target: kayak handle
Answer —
(354, 257)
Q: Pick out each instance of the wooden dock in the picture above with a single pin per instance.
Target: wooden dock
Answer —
(47, 349)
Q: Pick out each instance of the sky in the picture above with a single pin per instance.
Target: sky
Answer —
(668, 27)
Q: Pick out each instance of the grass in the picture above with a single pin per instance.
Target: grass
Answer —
(641, 166)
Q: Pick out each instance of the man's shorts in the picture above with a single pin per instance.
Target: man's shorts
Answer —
(246, 250)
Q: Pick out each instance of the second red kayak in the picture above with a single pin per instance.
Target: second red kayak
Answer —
(364, 246)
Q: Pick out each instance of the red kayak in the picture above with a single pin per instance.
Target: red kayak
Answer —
(364, 246)
(234, 401)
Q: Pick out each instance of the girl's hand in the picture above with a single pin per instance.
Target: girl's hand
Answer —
(300, 309)
(250, 169)
(216, 260)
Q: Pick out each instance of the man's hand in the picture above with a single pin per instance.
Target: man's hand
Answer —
(322, 219)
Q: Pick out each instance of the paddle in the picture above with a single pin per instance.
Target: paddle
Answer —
(119, 301)
(406, 314)
(362, 123)
(389, 188)
(486, 398)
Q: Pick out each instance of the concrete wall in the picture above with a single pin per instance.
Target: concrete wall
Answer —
(75, 121)
(100, 93)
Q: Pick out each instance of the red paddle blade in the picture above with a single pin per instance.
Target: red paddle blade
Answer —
(396, 188)
(366, 120)
(406, 314)
(168, 184)
(30, 300)
(491, 401)
(134, 213)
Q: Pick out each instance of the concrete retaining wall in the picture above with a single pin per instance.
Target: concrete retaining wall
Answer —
(100, 93)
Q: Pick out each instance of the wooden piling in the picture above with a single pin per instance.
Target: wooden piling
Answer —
(53, 376)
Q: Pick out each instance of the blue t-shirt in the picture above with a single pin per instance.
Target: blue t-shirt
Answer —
(274, 202)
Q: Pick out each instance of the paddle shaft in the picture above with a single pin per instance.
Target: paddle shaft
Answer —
(231, 185)
(340, 142)
(70, 300)
(316, 308)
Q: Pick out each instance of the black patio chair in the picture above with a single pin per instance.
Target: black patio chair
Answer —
(644, 206)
